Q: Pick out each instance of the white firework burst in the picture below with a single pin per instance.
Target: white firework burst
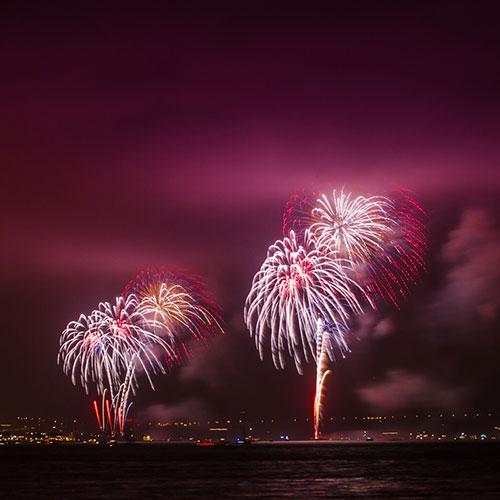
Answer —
(355, 228)
(297, 287)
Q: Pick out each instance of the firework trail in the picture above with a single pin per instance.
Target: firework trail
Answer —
(296, 286)
(143, 332)
(322, 372)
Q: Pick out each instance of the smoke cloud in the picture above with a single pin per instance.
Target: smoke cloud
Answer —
(403, 389)
(472, 255)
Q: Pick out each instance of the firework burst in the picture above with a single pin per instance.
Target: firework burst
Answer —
(384, 237)
(296, 287)
(106, 346)
(179, 304)
(351, 227)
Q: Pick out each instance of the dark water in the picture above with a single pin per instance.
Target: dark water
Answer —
(469, 470)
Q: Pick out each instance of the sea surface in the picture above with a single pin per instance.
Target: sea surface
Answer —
(396, 470)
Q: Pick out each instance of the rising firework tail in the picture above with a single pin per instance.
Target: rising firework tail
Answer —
(96, 409)
(108, 414)
(322, 372)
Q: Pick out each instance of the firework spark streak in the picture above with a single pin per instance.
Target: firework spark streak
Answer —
(143, 333)
(296, 286)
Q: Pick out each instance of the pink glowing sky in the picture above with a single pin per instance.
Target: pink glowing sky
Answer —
(132, 138)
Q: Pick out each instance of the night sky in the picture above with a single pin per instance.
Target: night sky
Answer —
(173, 137)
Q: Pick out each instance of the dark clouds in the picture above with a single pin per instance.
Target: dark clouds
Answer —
(174, 136)
(472, 259)
(402, 390)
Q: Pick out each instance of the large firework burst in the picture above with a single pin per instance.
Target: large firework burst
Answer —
(384, 237)
(355, 228)
(296, 287)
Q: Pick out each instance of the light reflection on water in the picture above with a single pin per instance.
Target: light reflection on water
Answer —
(272, 471)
